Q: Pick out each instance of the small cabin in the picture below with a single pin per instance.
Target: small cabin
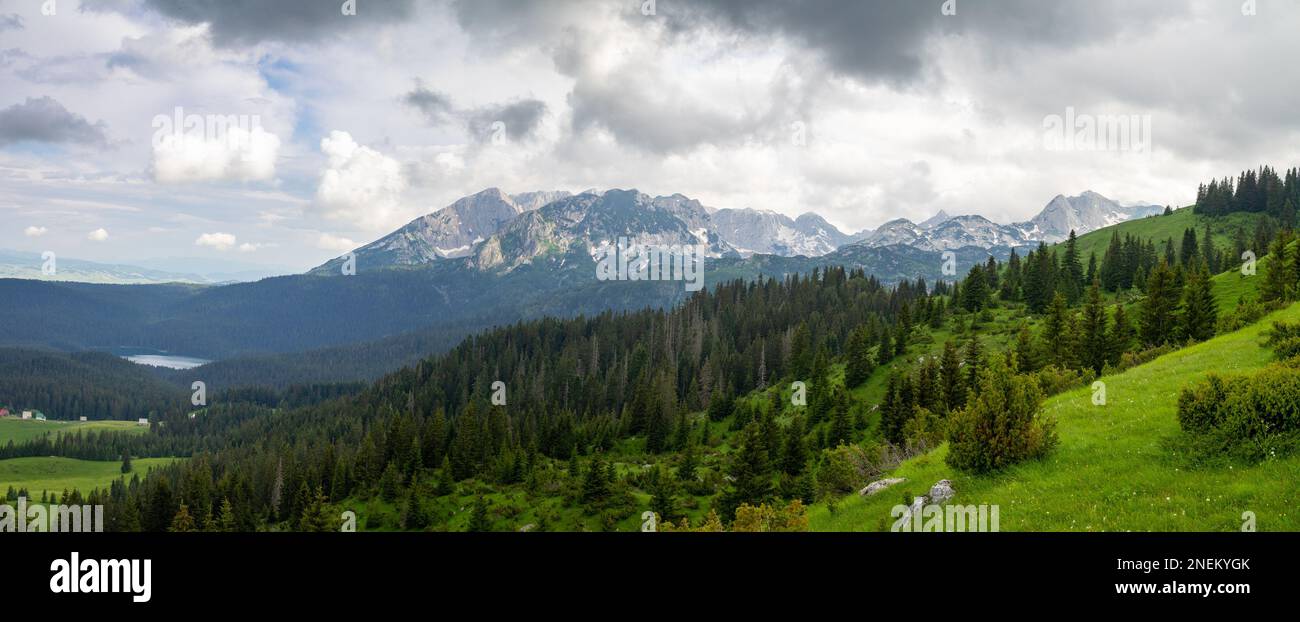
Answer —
(4, 412)
(83, 418)
(143, 422)
(38, 415)
(27, 414)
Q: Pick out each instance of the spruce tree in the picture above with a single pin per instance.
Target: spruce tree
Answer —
(1092, 337)
(1072, 271)
(841, 429)
(1200, 311)
(952, 386)
(750, 471)
(1158, 322)
(795, 455)
(858, 364)
(975, 292)
(1120, 337)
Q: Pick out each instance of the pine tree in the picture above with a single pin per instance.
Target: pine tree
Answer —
(1072, 271)
(1277, 279)
(859, 364)
(795, 454)
(316, 515)
(974, 358)
(663, 493)
(1120, 338)
(479, 520)
(595, 486)
(975, 292)
(841, 429)
(1057, 336)
(952, 386)
(1200, 311)
(1027, 358)
(750, 471)
(1092, 338)
(126, 462)
(1158, 321)
(226, 521)
(182, 522)
(885, 354)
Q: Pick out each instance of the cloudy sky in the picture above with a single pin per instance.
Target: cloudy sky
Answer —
(321, 130)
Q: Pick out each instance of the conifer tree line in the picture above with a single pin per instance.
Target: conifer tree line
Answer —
(1260, 191)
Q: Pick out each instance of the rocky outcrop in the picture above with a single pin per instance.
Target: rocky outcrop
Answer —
(880, 484)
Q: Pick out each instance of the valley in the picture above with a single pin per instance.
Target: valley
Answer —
(776, 393)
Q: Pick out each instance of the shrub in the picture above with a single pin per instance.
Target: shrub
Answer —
(1287, 348)
(1249, 416)
(1129, 360)
(1281, 331)
(924, 429)
(1052, 379)
(1247, 312)
(1200, 407)
(1001, 425)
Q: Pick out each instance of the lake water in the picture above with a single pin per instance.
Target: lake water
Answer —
(167, 360)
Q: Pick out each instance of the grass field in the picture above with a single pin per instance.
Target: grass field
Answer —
(56, 474)
(22, 430)
(1160, 228)
(1115, 469)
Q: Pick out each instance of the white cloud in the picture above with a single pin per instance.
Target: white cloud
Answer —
(98, 235)
(331, 242)
(219, 241)
(360, 186)
(237, 154)
(35, 232)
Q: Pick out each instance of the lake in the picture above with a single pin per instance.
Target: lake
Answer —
(170, 361)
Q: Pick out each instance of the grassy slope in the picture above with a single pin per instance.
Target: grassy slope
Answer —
(58, 474)
(1161, 228)
(20, 430)
(1114, 470)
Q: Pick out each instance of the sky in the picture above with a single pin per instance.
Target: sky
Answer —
(254, 133)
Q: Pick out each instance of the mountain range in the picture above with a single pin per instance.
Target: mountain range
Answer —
(1087, 212)
(493, 230)
(487, 260)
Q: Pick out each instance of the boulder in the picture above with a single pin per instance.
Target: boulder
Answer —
(880, 484)
(941, 492)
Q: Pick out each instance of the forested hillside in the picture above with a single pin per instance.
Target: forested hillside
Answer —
(756, 400)
(88, 384)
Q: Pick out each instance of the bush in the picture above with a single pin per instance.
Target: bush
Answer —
(1287, 348)
(1247, 312)
(1284, 338)
(1000, 426)
(1053, 380)
(1200, 407)
(1248, 416)
(1129, 360)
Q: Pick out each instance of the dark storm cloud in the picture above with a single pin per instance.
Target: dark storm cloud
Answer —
(876, 40)
(520, 119)
(885, 40)
(12, 21)
(241, 22)
(47, 121)
(433, 105)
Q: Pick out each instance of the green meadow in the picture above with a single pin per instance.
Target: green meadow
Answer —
(1118, 467)
(55, 474)
(22, 430)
